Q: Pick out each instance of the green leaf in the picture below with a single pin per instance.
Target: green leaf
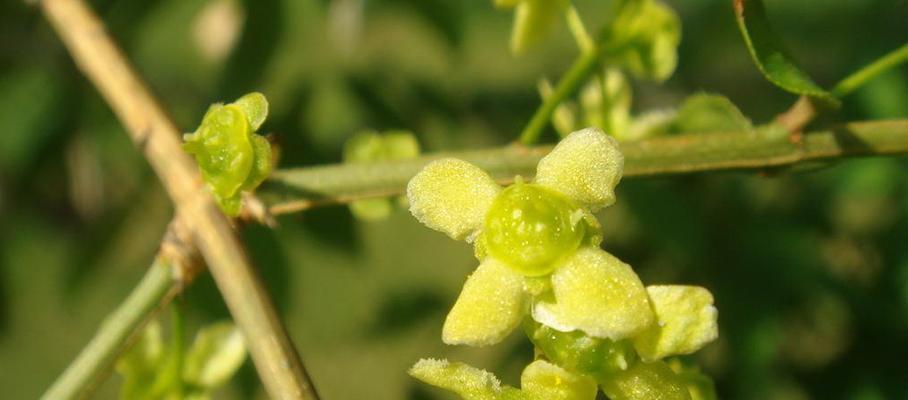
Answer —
(216, 354)
(770, 54)
(704, 112)
(643, 38)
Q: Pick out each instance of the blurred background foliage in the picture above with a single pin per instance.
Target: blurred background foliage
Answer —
(809, 268)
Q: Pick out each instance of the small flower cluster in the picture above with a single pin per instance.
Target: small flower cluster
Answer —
(233, 159)
(541, 264)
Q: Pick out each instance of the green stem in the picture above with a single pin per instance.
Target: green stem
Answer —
(571, 81)
(291, 190)
(861, 76)
(93, 364)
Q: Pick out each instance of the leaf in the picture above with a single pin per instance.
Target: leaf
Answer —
(644, 38)
(216, 354)
(770, 54)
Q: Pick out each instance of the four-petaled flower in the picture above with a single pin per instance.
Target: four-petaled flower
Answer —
(538, 244)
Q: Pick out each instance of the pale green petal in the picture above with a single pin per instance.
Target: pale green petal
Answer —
(699, 385)
(490, 306)
(216, 354)
(586, 166)
(597, 294)
(686, 322)
(545, 381)
(646, 381)
(451, 196)
(469, 382)
(255, 106)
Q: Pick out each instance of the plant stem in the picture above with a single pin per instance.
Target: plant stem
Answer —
(861, 76)
(291, 190)
(583, 66)
(94, 362)
(96, 54)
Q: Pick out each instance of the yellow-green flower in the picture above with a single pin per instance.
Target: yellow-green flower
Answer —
(539, 381)
(537, 243)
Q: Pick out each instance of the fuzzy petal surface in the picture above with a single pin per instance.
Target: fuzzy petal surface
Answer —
(545, 381)
(597, 294)
(490, 306)
(646, 381)
(686, 322)
(586, 166)
(451, 196)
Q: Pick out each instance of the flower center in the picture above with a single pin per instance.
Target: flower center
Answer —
(530, 227)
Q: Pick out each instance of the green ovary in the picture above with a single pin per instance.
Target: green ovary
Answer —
(530, 227)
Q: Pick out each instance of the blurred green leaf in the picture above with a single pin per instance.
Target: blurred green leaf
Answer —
(216, 354)
(770, 55)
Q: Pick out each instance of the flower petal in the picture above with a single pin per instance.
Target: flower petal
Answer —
(490, 306)
(543, 380)
(451, 196)
(469, 382)
(646, 381)
(687, 321)
(597, 294)
(586, 166)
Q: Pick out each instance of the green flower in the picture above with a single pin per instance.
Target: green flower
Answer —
(539, 381)
(537, 243)
(233, 159)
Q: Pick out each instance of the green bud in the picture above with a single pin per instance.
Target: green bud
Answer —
(530, 227)
(579, 352)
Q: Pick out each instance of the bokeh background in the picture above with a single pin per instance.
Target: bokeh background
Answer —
(809, 268)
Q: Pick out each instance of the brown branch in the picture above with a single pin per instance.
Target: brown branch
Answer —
(99, 58)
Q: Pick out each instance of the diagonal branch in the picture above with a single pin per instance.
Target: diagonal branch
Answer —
(96, 54)
(174, 267)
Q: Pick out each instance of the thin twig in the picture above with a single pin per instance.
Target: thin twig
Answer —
(296, 189)
(278, 364)
(94, 363)
(861, 76)
(575, 77)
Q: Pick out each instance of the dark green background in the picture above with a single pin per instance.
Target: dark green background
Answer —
(809, 268)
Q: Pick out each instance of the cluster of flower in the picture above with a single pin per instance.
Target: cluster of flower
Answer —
(586, 311)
